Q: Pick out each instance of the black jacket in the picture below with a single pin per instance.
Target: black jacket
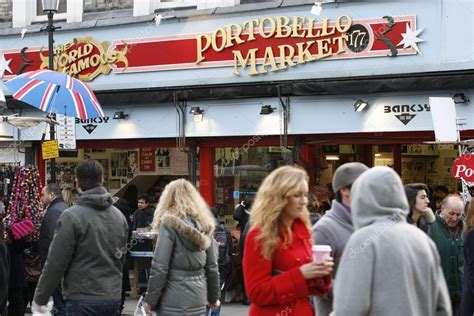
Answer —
(241, 215)
(54, 210)
(143, 218)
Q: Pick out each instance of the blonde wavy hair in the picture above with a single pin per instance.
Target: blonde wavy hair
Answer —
(180, 198)
(271, 199)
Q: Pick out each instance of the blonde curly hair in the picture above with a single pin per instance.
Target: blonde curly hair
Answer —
(271, 200)
(180, 198)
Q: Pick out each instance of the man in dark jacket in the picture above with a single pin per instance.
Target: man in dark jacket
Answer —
(447, 232)
(4, 268)
(54, 206)
(87, 251)
(143, 216)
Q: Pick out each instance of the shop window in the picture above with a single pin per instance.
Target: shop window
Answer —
(6, 10)
(106, 5)
(239, 171)
(40, 16)
(148, 169)
(430, 164)
(383, 155)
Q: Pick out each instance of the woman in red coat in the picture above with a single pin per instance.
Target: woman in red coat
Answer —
(278, 267)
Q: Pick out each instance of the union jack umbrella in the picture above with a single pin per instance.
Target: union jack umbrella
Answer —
(55, 92)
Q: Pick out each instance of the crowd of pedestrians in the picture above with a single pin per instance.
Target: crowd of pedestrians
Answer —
(391, 253)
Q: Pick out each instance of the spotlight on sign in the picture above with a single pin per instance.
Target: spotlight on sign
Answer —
(317, 8)
(360, 105)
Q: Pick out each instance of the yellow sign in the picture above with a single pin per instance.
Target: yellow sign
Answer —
(50, 149)
(85, 58)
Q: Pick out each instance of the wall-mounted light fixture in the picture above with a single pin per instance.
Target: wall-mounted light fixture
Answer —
(360, 105)
(198, 113)
(332, 157)
(460, 98)
(317, 8)
(266, 109)
(120, 115)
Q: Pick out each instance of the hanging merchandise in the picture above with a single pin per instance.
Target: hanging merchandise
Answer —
(23, 218)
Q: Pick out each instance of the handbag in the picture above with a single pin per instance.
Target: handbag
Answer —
(23, 228)
(26, 226)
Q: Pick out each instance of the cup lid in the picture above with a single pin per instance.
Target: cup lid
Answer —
(321, 248)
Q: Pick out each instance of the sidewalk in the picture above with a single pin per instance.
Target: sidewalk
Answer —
(228, 309)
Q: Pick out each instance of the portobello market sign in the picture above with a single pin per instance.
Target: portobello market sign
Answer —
(254, 47)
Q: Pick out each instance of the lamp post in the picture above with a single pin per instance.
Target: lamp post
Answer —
(50, 7)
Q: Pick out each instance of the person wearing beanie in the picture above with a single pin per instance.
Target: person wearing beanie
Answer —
(335, 227)
(389, 267)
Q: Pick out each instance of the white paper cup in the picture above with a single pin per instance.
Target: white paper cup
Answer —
(321, 252)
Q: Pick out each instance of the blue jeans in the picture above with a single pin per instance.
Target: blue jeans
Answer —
(92, 307)
(59, 304)
(215, 312)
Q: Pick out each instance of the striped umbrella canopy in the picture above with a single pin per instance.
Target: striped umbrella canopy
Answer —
(55, 92)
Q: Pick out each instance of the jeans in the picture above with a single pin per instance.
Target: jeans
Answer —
(92, 307)
(59, 304)
(213, 312)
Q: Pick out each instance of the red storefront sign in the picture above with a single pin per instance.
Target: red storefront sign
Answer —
(147, 159)
(463, 167)
(273, 44)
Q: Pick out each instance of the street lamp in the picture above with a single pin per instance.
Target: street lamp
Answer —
(50, 7)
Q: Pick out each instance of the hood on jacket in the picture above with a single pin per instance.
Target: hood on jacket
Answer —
(378, 195)
(97, 198)
(189, 230)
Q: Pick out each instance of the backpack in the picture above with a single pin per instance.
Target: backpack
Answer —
(222, 237)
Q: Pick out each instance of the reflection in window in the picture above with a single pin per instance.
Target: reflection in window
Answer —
(39, 7)
(105, 5)
(5, 10)
(239, 171)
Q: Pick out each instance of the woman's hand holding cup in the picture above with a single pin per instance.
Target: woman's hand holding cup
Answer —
(317, 269)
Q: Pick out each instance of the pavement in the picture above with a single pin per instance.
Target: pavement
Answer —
(228, 309)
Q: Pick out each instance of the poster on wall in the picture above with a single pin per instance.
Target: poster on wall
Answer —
(179, 161)
(132, 167)
(147, 159)
(66, 132)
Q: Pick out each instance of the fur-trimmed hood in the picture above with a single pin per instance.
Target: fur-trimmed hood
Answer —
(189, 230)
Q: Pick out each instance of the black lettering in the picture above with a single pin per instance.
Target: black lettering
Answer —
(386, 109)
(396, 108)
(420, 108)
(405, 108)
(427, 107)
(106, 119)
(78, 121)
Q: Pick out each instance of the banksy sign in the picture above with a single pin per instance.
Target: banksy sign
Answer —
(91, 124)
(406, 112)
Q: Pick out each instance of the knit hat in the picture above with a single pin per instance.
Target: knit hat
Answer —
(346, 174)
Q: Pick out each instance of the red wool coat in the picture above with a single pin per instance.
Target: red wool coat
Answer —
(282, 293)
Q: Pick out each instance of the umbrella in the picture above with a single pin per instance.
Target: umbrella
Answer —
(55, 92)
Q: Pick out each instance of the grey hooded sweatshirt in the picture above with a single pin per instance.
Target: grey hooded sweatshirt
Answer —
(184, 274)
(87, 251)
(388, 267)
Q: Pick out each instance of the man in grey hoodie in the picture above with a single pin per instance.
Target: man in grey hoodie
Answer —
(335, 227)
(84, 250)
(389, 267)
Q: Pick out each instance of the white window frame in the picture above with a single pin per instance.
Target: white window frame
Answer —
(44, 17)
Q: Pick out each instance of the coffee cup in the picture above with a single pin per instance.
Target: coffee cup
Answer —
(321, 252)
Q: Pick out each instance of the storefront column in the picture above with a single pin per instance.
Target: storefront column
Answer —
(206, 174)
(40, 164)
(307, 154)
(397, 158)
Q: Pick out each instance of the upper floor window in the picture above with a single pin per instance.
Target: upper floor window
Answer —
(105, 5)
(62, 7)
(6, 10)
